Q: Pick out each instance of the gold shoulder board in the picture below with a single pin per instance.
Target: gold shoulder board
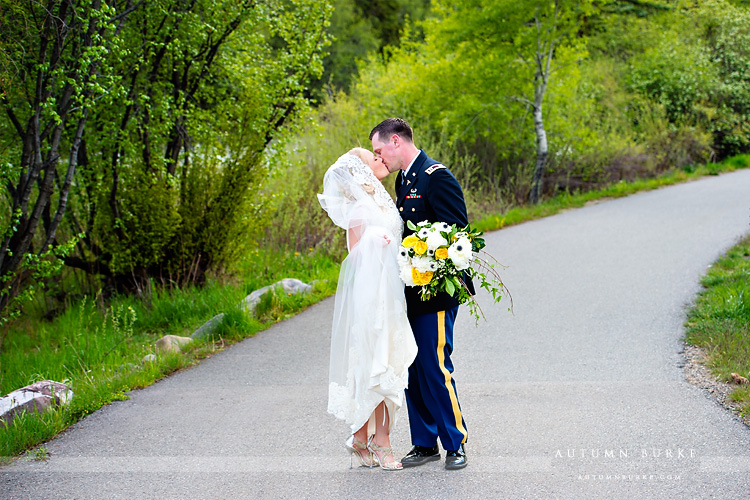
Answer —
(431, 169)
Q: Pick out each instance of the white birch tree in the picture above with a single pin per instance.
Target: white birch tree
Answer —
(527, 37)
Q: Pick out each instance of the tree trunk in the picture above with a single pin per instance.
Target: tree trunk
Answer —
(541, 156)
(540, 88)
(546, 43)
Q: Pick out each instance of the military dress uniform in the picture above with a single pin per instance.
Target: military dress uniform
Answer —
(430, 192)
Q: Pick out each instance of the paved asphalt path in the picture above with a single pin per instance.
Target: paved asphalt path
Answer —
(579, 394)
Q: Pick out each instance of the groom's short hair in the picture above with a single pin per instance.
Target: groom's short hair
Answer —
(391, 126)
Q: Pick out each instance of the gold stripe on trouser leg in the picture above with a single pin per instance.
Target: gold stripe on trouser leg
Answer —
(447, 374)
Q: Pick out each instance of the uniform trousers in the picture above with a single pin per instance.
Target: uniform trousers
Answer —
(434, 410)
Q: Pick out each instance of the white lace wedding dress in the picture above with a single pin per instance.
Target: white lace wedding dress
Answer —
(372, 344)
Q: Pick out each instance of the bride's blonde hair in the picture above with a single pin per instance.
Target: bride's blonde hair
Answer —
(362, 153)
(365, 155)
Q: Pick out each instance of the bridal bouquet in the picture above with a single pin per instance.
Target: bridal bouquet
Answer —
(436, 257)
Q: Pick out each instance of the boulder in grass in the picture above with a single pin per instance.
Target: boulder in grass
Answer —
(294, 286)
(289, 286)
(251, 301)
(37, 397)
(208, 327)
(172, 343)
(739, 379)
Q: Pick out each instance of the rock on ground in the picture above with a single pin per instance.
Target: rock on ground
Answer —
(287, 285)
(37, 397)
(172, 343)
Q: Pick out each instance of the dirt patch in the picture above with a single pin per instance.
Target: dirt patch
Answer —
(698, 374)
(587, 204)
(597, 201)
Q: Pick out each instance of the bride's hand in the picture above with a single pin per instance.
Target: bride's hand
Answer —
(386, 239)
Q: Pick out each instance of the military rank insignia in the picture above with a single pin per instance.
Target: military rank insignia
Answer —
(431, 169)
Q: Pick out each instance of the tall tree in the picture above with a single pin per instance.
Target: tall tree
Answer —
(174, 164)
(529, 37)
(144, 125)
(54, 58)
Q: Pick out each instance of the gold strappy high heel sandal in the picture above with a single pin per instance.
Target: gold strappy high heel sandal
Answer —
(379, 453)
(359, 449)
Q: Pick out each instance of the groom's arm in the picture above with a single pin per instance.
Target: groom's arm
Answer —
(447, 199)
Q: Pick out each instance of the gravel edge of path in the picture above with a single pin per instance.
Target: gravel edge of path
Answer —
(698, 374)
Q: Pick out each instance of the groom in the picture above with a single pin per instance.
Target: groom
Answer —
(427, 191)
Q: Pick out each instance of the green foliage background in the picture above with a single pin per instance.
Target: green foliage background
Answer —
(210, 124)
(214, 122)
(637, 89)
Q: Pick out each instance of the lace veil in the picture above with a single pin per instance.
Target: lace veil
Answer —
(354, 197)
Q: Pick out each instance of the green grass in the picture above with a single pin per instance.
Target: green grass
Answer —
(98, 348)
(566, 201)
(720, 319)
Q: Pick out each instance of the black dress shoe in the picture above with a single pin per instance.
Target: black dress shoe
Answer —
(420, 455)
(456, 459)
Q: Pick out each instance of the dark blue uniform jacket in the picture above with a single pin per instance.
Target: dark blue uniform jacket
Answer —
(430, 192)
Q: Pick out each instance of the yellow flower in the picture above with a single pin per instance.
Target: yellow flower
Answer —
(421, 278)
(441, 253)
(409, 241)
(420, 247)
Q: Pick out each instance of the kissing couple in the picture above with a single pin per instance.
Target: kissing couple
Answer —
(386, 342)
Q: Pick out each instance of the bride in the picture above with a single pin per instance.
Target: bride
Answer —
(372, 344)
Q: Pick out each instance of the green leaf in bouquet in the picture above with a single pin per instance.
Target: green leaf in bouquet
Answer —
(450, 287)
(411, 225)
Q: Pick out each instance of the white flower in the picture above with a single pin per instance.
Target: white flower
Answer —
(442, 226)
(460, 253)
(406, 276)
(423, 223)
(423, 233)
(423, 264)
(403, 256)
(435, 240)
